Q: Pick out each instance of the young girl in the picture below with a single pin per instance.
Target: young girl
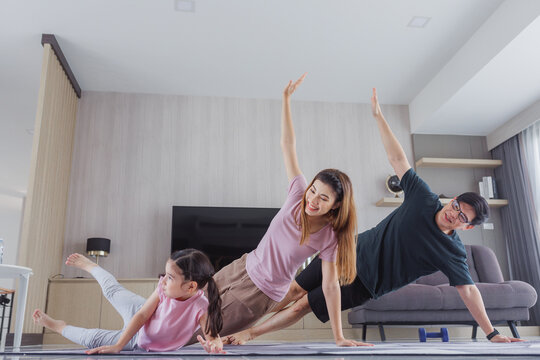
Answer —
(163, 322)
(316, 217)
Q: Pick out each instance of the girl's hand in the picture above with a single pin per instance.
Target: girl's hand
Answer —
(345, 342)
(108, 349)
(375, 107)
(213, 346)
(291, 87)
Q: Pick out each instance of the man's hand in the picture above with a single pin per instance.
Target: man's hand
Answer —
(504, 339)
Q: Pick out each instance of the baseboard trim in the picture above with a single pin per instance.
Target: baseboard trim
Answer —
(27, 339)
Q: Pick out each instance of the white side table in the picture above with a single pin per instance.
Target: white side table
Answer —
(22, 274)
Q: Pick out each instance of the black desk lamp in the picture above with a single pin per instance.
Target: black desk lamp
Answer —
(98, 247)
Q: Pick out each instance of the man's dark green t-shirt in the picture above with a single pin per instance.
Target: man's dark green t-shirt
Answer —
(408, 244)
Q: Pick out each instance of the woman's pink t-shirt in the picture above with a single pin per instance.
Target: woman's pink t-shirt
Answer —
(173, 323)
(273, 264)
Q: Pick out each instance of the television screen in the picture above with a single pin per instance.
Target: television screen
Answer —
(222, 233)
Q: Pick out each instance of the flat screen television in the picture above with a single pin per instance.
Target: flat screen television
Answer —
(222, 233)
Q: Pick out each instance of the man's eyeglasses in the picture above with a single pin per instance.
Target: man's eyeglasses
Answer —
(461, 216)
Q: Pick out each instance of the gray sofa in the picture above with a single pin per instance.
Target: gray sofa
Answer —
(431, 301)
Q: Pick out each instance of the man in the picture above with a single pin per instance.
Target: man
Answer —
(417, 239)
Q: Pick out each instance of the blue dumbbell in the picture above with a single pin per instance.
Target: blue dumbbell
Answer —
(423, 335)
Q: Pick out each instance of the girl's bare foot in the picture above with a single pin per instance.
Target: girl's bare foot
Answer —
(239, 338)
(81, 262)
(45, 320)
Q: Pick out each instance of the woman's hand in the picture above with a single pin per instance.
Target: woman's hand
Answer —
(108, 349)
(291, 87)
(212, 346)
(375, 107)
(345, 342)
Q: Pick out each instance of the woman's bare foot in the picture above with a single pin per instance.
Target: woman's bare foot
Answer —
(81, 262)
(239, 338)
(43, 319)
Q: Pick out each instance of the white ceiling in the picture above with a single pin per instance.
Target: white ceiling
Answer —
(235, 48)
(491, 78)
(514, 74)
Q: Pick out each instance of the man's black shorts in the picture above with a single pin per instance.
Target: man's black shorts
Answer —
(310, 280)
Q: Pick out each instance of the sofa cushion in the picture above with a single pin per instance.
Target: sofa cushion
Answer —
(410, 297)
(471, 262)
(486, 265)
(509, 294)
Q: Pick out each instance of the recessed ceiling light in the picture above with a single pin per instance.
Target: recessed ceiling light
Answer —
(418, 21)
(184, 5)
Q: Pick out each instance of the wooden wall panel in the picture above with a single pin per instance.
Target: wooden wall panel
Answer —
(136, 155)
(44, 220)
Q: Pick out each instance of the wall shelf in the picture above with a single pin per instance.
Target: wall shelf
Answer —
(458, 163)
(395, 202)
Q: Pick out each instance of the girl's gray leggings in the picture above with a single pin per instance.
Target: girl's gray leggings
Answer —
(126, 304)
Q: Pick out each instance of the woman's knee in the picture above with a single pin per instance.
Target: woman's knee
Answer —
(296, 291)
(301, 306)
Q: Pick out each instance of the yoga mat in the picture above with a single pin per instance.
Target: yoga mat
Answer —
(529, 348)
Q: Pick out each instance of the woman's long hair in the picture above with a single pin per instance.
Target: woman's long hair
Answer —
(197, 267)
(342, 218)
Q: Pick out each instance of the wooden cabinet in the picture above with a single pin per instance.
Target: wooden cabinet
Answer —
(80, 302)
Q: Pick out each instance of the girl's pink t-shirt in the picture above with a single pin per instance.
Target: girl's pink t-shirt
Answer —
(273, 264)
(173, 323)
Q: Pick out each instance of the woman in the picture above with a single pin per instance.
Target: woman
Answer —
(316, 217)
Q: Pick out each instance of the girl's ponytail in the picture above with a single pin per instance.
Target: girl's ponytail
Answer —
(214, 321)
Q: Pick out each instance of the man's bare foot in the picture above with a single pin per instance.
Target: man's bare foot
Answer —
(81, 262)
(239, 338)
(45, 320)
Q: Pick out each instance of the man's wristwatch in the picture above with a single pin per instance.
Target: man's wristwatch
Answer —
(492, 334)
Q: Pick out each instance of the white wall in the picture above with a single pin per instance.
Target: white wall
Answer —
(10, 225)
(137, 155)
(514, 126)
